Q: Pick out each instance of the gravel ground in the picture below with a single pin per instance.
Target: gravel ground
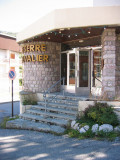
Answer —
(32, 145)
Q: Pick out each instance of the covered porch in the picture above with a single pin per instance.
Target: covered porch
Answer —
(83, 49)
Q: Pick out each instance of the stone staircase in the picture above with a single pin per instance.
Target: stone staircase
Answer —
(60, 111)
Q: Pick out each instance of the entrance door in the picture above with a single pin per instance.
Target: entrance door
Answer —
(71, 71)
(82, 72)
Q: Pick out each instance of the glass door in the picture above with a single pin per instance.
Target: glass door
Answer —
(82, 72)
(71, 71)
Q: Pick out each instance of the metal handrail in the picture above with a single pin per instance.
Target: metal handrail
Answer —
(98, 79)
(49, 89)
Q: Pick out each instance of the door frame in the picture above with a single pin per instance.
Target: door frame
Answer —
(82, 91)
(69, 87)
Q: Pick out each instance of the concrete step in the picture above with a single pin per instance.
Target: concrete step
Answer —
(49, 114)
(38, 118)
(36, 126)
(59, 105)
(63, 101)
(53, 109)
(68, 97)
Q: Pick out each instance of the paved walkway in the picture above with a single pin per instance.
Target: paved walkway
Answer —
(6, 109)
(32, 145)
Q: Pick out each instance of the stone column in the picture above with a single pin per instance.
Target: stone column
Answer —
(109, 69)
(39, 76)
(118, 67)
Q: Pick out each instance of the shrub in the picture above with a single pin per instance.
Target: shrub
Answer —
(101, 113)
(29, 102)
(98, 113)
(20, 82)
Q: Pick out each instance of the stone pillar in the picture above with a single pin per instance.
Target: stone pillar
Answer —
(40, 75)
(109, 69)
(118, 67)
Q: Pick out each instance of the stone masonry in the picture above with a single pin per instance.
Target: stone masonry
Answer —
(39, 76)
(109, 57)
(118, 66)
(111, 69)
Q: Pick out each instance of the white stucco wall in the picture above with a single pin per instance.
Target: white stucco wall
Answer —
(106, 3)
(5, 64)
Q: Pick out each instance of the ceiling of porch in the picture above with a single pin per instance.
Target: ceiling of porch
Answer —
(74, 37)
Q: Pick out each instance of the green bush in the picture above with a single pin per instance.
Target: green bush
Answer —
(29, 102)
(101, 113)
(20, 67)
(20, 82)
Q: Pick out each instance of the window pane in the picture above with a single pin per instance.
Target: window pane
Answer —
(83, 64)
(72, 69)
(64, 67)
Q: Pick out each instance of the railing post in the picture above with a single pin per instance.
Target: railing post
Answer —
(45, 102)
(63, 86)
(48, 91)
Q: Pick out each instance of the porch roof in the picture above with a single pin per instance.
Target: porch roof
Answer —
(66, 25)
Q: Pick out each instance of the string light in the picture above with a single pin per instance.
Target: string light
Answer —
(81, 41)
(83, 31)
(89, 30)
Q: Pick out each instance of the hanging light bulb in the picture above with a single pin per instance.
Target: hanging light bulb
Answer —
(89, 31)
(81, 41)
(104, 27)
(69, 36)
(48, 37)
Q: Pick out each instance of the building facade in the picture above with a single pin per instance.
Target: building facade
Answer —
(9, 59)
(81, 44)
